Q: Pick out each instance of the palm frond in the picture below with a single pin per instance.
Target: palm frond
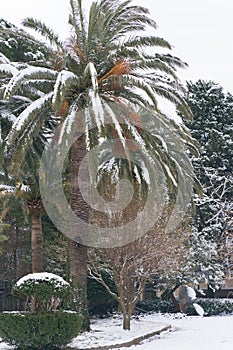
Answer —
(64, 81)
(26, 125)
(172, 61)
(4, 59)
(132, 81)
(77, 20)
(90, 72)
(6, 190)
(8, 69)
(32, 73)
(147, 41)
(154, 67)
(123, 16)
(45, 31)
(120, 67)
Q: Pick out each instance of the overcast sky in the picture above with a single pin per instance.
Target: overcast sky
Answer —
(201, 31)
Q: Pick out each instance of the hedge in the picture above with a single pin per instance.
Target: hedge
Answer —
(39, 330)
(155, 305)
(216, 306)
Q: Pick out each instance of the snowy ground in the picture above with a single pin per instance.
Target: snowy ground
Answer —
(109, 332)
(192, 333)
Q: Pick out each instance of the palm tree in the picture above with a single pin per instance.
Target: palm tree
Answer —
(22, 169)
(105, 62)
(24, 185)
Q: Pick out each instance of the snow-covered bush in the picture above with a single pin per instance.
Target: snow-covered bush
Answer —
(216, 306)
(43, 291)
(44, 327)
(39, 330)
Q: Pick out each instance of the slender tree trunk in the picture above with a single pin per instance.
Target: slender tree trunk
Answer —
(36, 239)
(78, 251)
(126, 322)
(126, 312)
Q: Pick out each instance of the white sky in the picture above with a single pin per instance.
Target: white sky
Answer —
(201, 31)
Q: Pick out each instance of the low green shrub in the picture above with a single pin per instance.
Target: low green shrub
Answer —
(45, 331)
(211, 307)
(155, 305)
(216, 306)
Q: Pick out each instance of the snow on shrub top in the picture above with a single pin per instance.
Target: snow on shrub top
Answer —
(44, 291)
(42, 276)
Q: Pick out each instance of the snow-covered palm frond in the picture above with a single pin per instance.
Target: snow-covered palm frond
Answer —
(173, 153)
(152, 148)
(91, 115)
(90, 71)
(12, 108)
(18, 190)
(32, 73)
(192, 143)
(26, 126)
(64, 81)
(36, 88)
(68, 125)
(8, 69)
(173, 95)
(6, 190)
(4, 59)
(31, 111)
(110, 23)
(45, 31)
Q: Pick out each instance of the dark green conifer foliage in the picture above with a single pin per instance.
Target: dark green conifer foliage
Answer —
(212, 108)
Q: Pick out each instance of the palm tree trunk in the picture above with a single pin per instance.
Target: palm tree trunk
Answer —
(78, 251)
(36, 239)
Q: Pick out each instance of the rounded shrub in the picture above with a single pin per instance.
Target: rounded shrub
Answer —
(45, 325)
(39, 331)
(43, 291)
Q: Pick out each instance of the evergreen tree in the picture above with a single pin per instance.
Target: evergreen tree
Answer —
(19, 46)
(213, 128)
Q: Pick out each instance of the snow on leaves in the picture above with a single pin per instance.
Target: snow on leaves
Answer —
(63, 82)
(8, 69)
(33, 73)
(90, 70)
(3, 58)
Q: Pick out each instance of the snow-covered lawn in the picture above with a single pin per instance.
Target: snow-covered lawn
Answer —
(109, 332)
(192, 333)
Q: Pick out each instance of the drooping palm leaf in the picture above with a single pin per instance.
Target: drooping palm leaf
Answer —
(42, 29)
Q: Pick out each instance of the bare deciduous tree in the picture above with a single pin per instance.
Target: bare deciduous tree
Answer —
(132, 265)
